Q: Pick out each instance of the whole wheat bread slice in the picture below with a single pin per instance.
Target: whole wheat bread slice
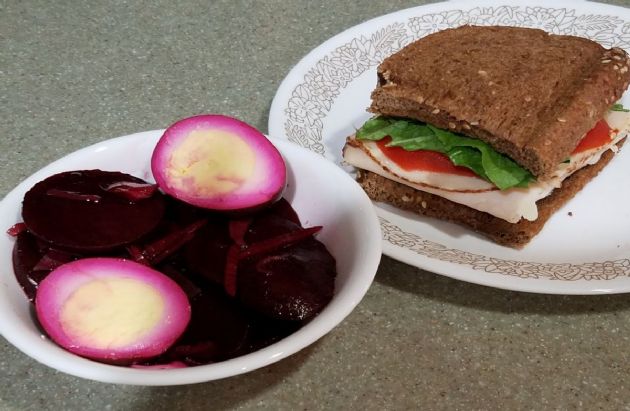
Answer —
(515, 235)
(529, 94)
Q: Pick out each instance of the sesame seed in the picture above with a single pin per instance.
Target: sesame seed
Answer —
(615, 67)
(474, 123)
(406, 198)
(436, 111)
(606, 61)
(623, 69)
(466, 126)
(562, 120)
(423, 204)
(547, 142)
(528, 98)
(494, 92)
(482, 73)
(616, 57)
(491, 83)
(451, 125)
(420, 99)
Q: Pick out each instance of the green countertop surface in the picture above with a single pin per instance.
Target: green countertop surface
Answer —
(78, 72)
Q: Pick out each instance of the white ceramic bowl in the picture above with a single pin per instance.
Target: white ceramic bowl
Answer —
(321, 193)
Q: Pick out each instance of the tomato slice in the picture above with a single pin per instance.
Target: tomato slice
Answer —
(597, 137)
(422, 160)
(425, 160)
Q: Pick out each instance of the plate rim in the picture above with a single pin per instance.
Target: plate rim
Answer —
(277, 120)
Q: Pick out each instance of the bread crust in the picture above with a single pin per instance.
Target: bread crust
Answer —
(515, 235)
(530, 94)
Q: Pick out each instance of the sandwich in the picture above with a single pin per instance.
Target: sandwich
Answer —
(493, 128)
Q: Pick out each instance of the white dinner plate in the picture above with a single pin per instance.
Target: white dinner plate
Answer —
(583, 249)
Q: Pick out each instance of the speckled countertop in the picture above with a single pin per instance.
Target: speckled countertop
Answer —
(74, 73)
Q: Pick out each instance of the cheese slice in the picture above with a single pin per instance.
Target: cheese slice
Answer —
(511, 205)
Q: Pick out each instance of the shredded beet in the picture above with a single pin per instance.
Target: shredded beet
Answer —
(231, 268)
(278, 242)
(131, 191)
(162, 248)
(238, 228)
(53, 259)
(16, 229)
(73, 195)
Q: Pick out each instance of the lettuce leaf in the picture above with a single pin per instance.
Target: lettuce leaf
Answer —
(618, 107)
(471, 153)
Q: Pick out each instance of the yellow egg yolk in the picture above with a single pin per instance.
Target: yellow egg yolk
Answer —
(204, 163)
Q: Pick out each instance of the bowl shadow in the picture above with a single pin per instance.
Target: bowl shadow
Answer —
(443, 289)
(226, 393)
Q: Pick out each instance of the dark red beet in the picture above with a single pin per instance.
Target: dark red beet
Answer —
(218, 328)
(53, 259)
(206, 253)
(231, 269)
(277, 243)
(278, 219)
(16, 229)
(264, 331)
(72, 211)
(165, 246)
(238, 229)
(295, 284)
(26, 254)
(132, 191)
(282, 208)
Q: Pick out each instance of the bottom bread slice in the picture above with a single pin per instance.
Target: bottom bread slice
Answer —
(516, 235)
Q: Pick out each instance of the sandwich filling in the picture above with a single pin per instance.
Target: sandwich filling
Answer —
(502, 189)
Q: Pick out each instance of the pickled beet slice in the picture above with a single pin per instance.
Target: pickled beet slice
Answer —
(217, 330)
(162, 248)
(76, 221)
(206, 253)
(26, 255)
(219, 163)
(112, 310)
(295, 284)
(277, 242)
(53, 259)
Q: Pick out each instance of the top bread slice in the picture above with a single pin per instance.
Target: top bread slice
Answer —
(529, 94)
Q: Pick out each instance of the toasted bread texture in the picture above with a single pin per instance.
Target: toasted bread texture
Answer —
(515, 235)
(530, 94)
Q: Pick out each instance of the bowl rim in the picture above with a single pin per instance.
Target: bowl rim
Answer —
(48, 353)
